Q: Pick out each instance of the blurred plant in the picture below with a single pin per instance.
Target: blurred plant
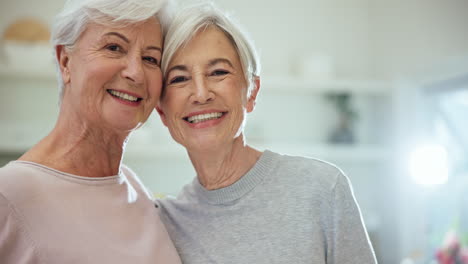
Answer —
(343, 133)
(342, 101)
(452, 250)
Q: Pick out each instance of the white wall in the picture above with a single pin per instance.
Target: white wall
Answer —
(286, 32)
(364, 38)
(283, 33)
(410, 37)
(12, 9)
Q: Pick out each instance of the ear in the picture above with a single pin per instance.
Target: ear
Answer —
(161, 115)
(63, 59)
(253, 95)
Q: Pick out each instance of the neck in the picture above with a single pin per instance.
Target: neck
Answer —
(222, 166)
(80, 148)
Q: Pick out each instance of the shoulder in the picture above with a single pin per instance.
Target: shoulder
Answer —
(23, 186)
(8, 212)
(14, 182)
(185, 196)
(14, 233)
(307, 171)
(13, 169)
(135, 181)
(18, 177)
(186, 199)
(18, 169)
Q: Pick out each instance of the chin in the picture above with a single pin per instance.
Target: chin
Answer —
(125, 128)
(124, 125)
(126, 121)
(207, 144)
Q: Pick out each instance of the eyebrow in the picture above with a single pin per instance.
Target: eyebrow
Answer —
(210, 63)
(154, 48)
(117, 35)
(220, 60)
(128, 41)
(177, 67)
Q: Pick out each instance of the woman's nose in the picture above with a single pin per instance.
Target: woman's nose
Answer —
(133, 70)
(202, 92)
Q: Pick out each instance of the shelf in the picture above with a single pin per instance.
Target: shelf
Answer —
(306, 86)
(46, 74)
(27, 61)
(19, 138)
(13, 148)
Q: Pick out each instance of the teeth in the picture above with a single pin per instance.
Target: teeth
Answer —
(123, 96)
(204, 117)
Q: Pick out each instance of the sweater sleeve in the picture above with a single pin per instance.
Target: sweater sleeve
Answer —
(348, 241)
(15, 245)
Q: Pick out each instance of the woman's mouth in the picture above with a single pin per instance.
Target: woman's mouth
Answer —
(124, 96)
(203, 117)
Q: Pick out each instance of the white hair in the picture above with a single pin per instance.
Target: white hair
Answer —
(71, 22)
(192, 19)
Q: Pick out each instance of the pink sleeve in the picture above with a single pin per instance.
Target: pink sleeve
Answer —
(15, 244)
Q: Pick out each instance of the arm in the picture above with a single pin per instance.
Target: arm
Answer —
(348, 239)
(15, 244)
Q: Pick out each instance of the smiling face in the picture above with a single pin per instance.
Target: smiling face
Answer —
(205, 98)
(112, 76)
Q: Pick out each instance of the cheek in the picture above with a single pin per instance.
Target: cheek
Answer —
(235, 89)
(238, 96)
(174, 100)
(173, 122)
(95, 77)
(173, 108)
(100, 66)
(154, 91)
(155, 84)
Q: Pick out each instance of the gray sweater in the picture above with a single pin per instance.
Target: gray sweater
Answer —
(284, 210)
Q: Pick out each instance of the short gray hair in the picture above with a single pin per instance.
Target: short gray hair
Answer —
(71, 22)
(192, 19)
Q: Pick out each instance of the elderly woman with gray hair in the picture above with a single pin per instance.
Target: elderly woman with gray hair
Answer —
(69, 199)
(244, 206)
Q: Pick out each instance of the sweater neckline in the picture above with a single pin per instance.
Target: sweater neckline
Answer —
(71, 177)
(241, 187)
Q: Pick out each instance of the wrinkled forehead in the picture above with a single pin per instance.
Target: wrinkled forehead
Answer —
(147, 32)
(183, 48)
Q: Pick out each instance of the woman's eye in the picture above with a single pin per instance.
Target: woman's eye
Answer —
(114, 47)
(219, 73)
(151, 60)
(178, 79)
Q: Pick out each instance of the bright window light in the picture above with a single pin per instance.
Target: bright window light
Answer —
(429, 165)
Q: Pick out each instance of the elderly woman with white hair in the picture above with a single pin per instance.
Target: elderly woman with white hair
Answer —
(69, 199)
(244, 206)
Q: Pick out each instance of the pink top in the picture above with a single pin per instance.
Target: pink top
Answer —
(47, 216)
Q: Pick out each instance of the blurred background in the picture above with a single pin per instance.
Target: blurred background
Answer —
(379, 88)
